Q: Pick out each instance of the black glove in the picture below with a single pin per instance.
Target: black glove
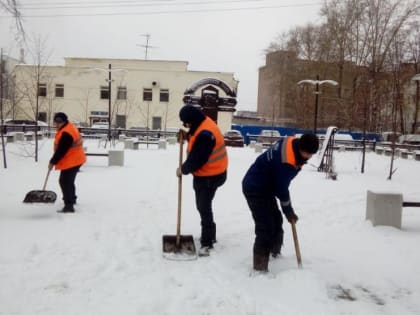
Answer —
(290, 214)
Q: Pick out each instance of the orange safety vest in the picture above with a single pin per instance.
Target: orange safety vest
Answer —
(75, 155)
(287, 154)
(218, 160)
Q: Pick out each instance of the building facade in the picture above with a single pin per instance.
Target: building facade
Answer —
(283, 102)
(134, 93)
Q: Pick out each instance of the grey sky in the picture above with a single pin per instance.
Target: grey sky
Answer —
(216, 35)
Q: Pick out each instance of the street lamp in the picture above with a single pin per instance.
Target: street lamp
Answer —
(109, 94)
(317, 83)
(416, 78)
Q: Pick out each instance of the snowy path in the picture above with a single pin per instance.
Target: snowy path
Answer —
(107, 258)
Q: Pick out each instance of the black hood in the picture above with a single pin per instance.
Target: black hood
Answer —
(192, 115)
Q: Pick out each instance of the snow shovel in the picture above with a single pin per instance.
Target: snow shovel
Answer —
(42, 196)
(296, 242)
(179, 246)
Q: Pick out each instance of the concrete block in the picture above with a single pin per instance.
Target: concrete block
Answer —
(416, 155)
(388, 152)
(10, 138)
(171, 140)
(252, 144)
(258, 147)
(379, 150)
(128, 144)
(341, 148)
(29, 136)
(19, 136)
(116, 158)
(384, 208)
(404, 154)
(162, 144)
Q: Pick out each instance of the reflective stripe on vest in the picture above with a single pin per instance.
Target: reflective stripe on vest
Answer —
(218, 160)
(287, 154)
(75, 155)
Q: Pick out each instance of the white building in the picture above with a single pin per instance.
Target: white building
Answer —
(144, 93)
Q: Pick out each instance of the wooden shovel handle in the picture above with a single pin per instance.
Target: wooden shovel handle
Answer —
(178, 223)
(296, 242)
(46, 179)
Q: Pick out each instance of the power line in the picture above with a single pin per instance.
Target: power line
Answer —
(87, 4)
(171, 11)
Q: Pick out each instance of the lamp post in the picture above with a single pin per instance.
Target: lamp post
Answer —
(317, 83)
(109, 94)
(416, 78)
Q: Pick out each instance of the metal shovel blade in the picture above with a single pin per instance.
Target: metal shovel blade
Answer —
(41, 196)
(184, 250)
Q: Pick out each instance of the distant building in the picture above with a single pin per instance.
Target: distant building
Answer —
(282, 102)
(144, 93)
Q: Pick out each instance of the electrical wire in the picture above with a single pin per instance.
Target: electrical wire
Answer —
(182, 11)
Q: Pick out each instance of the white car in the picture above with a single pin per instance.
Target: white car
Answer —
(268, 136)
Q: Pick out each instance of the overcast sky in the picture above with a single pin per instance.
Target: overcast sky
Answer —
(212, 35)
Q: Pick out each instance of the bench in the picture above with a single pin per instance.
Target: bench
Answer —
(386, 208)
(115, 157)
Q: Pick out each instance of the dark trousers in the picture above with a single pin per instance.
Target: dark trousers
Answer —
(268, 223)
(205, 189)
(66, 180)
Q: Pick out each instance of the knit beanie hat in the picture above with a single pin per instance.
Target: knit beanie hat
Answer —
(309, 143)
(60, 117)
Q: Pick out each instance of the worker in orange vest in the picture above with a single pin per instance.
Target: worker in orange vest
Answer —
(207, 160)
(269, 178)
(68, 157)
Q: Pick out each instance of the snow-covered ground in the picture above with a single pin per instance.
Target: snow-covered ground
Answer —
(107, 258)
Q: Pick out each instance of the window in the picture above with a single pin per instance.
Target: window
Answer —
(42, 89)
(98, 113)
(59, 90)
(104, 93)
(122, 93)
(147, 95)
(156, 123)
(164, 95)
(42, 116)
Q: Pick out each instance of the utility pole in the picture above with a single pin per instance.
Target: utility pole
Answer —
(1, 109)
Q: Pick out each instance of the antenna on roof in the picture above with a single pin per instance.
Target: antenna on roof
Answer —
(147, 46)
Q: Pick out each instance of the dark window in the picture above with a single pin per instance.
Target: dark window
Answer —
(98, 113)
(122, 93)
(59, 90)
(156, 122)
(164, 95)
(42, 116)
(42, 89)
(147, 95)
(104, 93)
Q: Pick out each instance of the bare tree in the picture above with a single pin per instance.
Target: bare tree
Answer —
(414, 58)
(12, 7)
(30, 82)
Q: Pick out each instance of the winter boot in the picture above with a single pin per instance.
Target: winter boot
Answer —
(261, 262)
(277, 244)
(67, 209)
(204, 251)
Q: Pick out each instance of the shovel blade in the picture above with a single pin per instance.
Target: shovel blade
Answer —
(41, 196)
(186, 245)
